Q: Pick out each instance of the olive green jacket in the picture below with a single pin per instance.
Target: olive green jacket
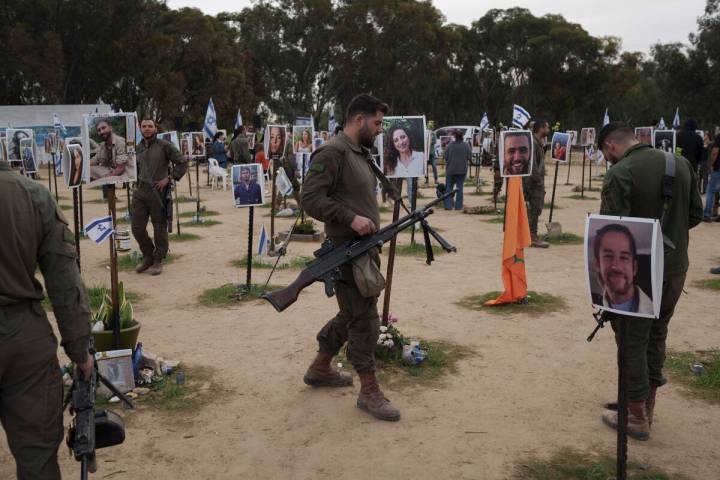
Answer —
(154, 159)
(240, 150)
(633, 188)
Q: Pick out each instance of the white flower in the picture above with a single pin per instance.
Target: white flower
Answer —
(383, 328)
(380, 341)
(389, 344)
(339, 364)
(383, 336)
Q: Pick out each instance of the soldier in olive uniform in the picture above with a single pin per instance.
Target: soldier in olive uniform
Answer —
(534, 185)
(239, 149)
(633, 188)
(31, 386)
(340, 191)
(154, 158)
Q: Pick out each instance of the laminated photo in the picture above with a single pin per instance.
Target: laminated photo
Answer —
(404, 146)
(171, 137)
(13, 137)
(587, 137)
(644, 135)
(250, 139)
(197, 144)
(274, 141)
(515, 153)
(109, 147)
(560, 146)
(75, 168)
(27, 152)
(302, 139)
(664, 140)
(116, 367)
(624, 262)
(248, 185)
(282, 183)
(573, 137)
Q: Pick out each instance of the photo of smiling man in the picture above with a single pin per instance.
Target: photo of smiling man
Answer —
(515, 153)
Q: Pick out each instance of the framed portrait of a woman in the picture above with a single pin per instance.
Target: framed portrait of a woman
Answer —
(404, 146)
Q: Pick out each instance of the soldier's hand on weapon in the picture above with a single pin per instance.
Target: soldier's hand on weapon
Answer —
(161, 184)
(363, 225)
(86, 367)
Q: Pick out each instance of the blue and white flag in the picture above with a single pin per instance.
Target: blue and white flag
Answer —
(606, 118)
(238, 120)
(676, 120)
(332, 124)
(304, 121)
(210, 128)
(59, 127)
(99, 229)
(484, 123)
(263, 242)
(520, 116)
(661, 124)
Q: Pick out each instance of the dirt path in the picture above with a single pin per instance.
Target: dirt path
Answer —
(533, 384)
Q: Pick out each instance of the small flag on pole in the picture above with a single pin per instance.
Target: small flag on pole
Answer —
(238, 120)
(676, 120)
(59, 127)
(484, 123)
(331, 120)
(520, 116)
(606, 118)
(99, 229)
(263, 242)
(661, 124)
(210, 128)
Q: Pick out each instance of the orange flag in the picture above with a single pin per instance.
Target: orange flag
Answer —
(517, 237)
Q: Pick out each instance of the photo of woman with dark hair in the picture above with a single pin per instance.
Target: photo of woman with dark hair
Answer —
(404, 147)
(76, 165)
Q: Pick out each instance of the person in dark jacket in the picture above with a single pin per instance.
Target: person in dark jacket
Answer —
(690, 143)
(457, 155)
(219, 151)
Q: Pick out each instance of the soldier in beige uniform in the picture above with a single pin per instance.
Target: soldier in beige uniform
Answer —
(111, 157)
(35, 234)
(154, 159)
(340, 191)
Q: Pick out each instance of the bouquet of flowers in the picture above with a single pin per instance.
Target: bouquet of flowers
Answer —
(390, 341)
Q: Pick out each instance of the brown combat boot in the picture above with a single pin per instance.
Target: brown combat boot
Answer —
(146, 263)
(156, 268)
(373, 401)
(650, 404)
(537, 243)
(638, 427)
(321, 374)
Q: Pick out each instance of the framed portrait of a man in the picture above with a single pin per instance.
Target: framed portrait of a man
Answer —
(13, 137)
(404, 146)
(624, 263)
(587, 137)
(27, 152)
(274, 141)
(302, 139)
(664, 140)
(644, 135)
(185, 145)
(515, 153)
(560, 146)
(248, 185)
(75, 168)
(109, 147)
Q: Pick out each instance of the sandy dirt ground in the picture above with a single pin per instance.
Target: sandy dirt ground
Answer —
(532, 385)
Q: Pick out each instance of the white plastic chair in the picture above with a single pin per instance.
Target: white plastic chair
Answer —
(216, 171)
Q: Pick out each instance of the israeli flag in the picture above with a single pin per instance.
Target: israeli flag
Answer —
(332, 124)
(238, 120)
(210, 128)
(606, 118)
(676, 120)
(99, 229)
(484, 123)
(263, 242)
(59, 127)
(520, 116)
(661, 124)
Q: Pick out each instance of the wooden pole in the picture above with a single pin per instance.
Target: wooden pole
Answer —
(80, 200)
(189, 177)
(197, 191)
(590, 174)
(567, 180)
(391, 259)
(273, 161)
(76, 221)
(50, 167)
(582, 181)
(114, 271)
(552, 199)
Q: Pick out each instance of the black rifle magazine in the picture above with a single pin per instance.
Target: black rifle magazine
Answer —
(109, 429)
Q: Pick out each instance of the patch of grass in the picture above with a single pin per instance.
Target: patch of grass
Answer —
(95, 297)
(569, 464)
(186, 199)
(705, 386)
(480, 193)
(297, 262)
(710, 283)
(556, 207)
(565, 239)
(538, 303)
(65, 207)
(206, 213)
(499, 219)
(579, 197)
(183, 237)
(204, 223)
(128, 262)
(416, 249)
(232, 294)
(118, 199)
(385, 209)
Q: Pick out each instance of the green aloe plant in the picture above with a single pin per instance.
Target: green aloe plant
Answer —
(104, 311)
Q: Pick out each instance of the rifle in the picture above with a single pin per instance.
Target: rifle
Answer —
(329, 258)
(90, 428)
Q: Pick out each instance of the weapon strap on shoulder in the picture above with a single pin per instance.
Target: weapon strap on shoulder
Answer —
(668, 188)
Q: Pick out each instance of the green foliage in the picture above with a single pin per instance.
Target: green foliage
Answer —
(128, 262)
(580, 197)
(186, 199)
(538, 303)
(103, 313)
(96, 296)
(297, 262)
(203, 223)
(232, 294)
(416, 249)
(305, 228)
(710, 284)
(705, 386)
(206, 213)
(183, 237)
(565, 239)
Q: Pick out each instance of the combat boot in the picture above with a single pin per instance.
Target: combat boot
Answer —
(321, 374)
(638, 427)
(537, 243)
(156, 268)
(146, 263)
(650, 404)
(373, 401)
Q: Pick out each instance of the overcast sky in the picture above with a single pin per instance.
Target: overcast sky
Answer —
(639, 23)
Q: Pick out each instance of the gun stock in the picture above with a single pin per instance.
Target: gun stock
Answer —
(283, 298)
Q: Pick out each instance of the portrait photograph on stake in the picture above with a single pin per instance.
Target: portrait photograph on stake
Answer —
(624, 264)
(74, 167)
(587, 137)
(644, 135)
(302, 139)
(560, 146)
(248, 185)
(27, 151)
(13, 137)
(111, 157)
(573, 137)
(171, 137)
(197, 144)
(515, 152)
(664, 140)
(274, 141)
(404, 146)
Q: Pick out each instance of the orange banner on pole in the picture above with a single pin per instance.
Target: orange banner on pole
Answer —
(517, 237)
